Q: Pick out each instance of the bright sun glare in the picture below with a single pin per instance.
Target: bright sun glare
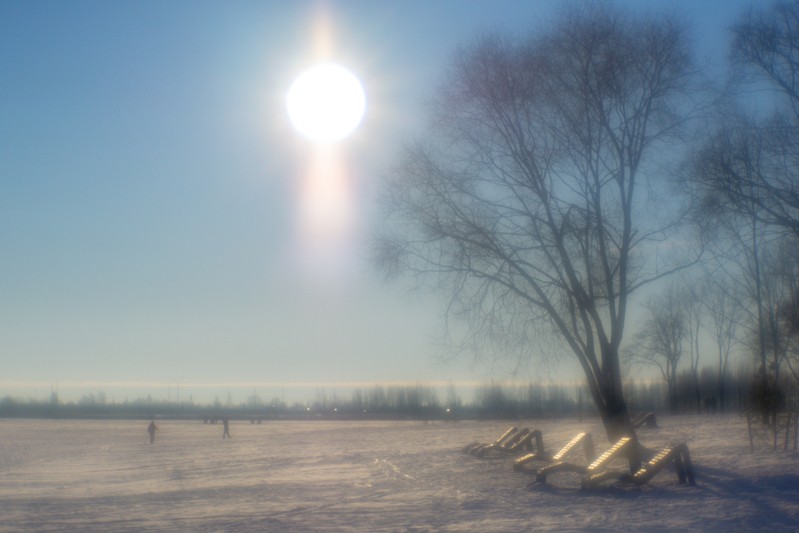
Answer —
(326, 103)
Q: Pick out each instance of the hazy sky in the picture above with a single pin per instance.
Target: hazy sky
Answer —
(154, 200)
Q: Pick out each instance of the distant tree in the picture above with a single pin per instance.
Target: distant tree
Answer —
(493, 401)
(723, 311)
(659, 341)
(740, 236)
(767, 276)
(528, 205)
(749, 167)
(694, 317)
(788, 317)
(781, 281)
(453, 398)
(754, 162)
(87, 399)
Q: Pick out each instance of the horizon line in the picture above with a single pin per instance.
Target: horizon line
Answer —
(268, 384)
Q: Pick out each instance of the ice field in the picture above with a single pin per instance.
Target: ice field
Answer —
(371, 476)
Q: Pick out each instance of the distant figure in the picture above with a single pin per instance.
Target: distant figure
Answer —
(225, 429)
(151, 429)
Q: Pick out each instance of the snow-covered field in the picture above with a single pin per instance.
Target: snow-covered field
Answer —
(371, 476)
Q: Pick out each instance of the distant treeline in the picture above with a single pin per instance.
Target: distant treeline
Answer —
(492, 400)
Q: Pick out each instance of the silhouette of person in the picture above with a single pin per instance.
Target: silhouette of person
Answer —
(151, 430)
(226, 429)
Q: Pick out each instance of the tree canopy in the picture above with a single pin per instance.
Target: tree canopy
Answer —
(529, 201)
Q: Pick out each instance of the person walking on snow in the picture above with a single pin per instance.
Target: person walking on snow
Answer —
(151, 430)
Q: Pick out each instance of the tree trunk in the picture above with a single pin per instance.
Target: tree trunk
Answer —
(616, 420)
(697, 395)
(674, 398)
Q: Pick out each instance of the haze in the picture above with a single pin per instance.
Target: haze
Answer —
(164, 228)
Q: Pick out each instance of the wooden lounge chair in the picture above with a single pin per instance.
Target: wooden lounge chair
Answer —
(620, 447)
(644, 418)
(678, 454)
(521, 441)
(541, 455)
(473, 447)
(533, 440)
(505, 445)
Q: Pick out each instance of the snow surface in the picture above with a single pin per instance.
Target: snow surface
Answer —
(372, 476)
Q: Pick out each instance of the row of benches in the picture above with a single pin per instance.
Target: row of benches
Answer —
(515, 440)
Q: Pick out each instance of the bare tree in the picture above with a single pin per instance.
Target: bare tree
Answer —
(749, 169)
(659, 341)
(740, 233)
(723, 311)
(754, 163)
(694, 317)
(528, 205)
(780, 281)
(761, 277)
(788, 308)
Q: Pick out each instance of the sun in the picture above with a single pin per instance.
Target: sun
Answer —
(326, 103)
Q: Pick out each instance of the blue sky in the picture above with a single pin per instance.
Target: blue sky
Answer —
(151, 192)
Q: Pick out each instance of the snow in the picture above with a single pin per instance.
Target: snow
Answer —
(372, 476)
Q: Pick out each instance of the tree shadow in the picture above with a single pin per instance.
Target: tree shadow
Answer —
(772, 498)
